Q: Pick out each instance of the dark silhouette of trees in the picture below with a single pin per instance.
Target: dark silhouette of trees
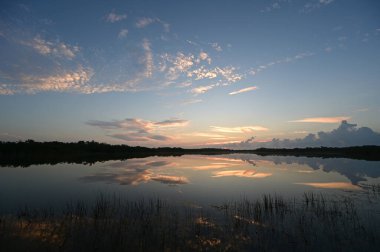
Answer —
(88, 152)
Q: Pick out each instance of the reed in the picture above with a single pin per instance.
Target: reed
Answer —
(112, 223)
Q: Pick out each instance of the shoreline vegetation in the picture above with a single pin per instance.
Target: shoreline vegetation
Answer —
(313, 222)
(26, 153)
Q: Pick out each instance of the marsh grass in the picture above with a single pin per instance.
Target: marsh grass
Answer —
(270, 223)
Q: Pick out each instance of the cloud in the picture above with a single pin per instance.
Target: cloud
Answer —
(229, 73)
(114, 17)
(243, 90)
(138, 130)
(191, 66)
(202, 89)
(344, 136)
(123, 33)
(271, 7)
(172, 123)
(241, 173)
(193, 101)
(170, 180)
(53, 48)
(148, 60)
(139, 137)
(315, 4)
(296, 57)
(216, 46)
(145, 21)
(214, 166)
(66, 81)
(203, 73)
(333, 185)
(241, 129)
(336, 119)
(204, 56)
(135, 172)
(208, 135)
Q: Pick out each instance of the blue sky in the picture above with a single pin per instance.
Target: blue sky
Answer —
(187, 73)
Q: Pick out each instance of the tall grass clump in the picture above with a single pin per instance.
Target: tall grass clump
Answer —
(313, 222)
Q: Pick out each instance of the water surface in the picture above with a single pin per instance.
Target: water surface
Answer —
(188, 180)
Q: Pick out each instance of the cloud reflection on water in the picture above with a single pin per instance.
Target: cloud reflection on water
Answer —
(241, 173)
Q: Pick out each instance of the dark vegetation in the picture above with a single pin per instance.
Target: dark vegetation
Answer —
(30, 152)
(369, 152)
(270, 223)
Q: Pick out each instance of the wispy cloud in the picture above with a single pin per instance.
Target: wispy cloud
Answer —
(241, 129)
(123, 33)
(271, 7)
(143, 22)
(216, 46)
(243, 90)
(263, 67)
(146, 21)
(315, 4)
(149, 65)
(192, 101)
(335, 119)
(114, 17)
(202, 89)
(208, 135)
(54, 48)
(138, 130)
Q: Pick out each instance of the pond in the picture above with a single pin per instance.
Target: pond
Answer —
(191, 180)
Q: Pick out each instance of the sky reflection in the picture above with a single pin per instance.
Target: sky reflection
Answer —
(189, 179)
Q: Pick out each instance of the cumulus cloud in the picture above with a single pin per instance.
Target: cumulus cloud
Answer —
(138, 130)
(114, 17)
(344, 136)
(243, 90)
(241, 129)
(54, 48)
(335, 119)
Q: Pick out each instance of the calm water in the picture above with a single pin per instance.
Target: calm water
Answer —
(187, 180)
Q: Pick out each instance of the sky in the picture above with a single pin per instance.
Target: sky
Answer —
(187, 73)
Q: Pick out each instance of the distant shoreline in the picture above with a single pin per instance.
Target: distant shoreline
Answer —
(30, 152)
